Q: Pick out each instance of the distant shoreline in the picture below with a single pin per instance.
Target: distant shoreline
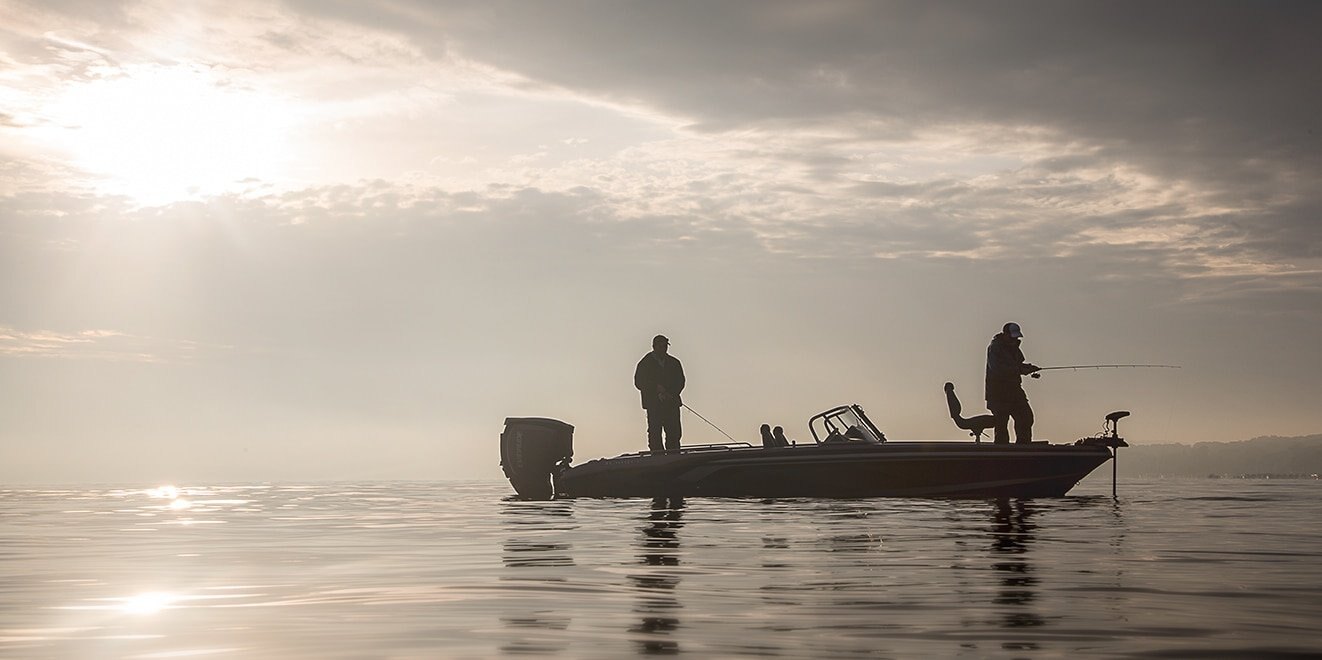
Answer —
(1269, 457)
(1313, 475)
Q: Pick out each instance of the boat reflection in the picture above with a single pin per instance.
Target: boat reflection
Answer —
(1011, 542)
(536, 546)
(657, 603)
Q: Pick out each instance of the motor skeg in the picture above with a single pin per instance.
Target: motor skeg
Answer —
(530, 449)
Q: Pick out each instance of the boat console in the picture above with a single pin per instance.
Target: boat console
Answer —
(844, 424)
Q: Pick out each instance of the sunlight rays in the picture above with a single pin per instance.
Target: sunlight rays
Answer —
(160, 134)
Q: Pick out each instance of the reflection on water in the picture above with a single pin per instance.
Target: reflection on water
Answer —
(657, 604)
(536, 545)
(1011, 534)
(148, 603)
(424, 570)
(527, 525)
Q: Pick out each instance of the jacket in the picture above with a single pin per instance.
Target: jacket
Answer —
(1005, 369)
(666, 372)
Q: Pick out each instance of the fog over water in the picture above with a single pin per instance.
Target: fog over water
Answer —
(293, 241)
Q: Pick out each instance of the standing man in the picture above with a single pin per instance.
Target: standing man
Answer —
(1005, 390)
(660, 379)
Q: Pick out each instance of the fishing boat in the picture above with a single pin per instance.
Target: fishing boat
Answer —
(848, 457)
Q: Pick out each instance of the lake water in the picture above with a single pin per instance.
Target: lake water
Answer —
(1174, 568)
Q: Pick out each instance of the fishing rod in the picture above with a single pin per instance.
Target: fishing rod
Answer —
(1075, 367)
(708, 422)
(1112, 366)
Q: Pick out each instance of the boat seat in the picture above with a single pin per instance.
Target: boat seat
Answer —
(976, 426)
(773, 438)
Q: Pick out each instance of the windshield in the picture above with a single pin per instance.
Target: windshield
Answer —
(843, 424)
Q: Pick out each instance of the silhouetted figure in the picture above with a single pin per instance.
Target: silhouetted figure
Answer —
(767, 439)
(779, 434)
(1005, 391)
(660, 378)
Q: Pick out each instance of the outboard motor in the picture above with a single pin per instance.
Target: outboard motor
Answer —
(530, 449)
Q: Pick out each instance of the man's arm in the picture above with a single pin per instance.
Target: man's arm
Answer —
(640, 375)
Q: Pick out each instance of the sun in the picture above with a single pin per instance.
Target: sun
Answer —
(161, 134)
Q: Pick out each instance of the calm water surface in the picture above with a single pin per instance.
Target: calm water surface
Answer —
(1173, 568)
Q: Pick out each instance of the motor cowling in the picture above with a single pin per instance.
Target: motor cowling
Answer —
(530, 450)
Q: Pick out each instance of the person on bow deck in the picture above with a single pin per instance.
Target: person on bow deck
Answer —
(1005, 394)
(659, 378)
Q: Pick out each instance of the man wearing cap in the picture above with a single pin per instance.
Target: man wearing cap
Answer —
(660, 378)
(1005, 391)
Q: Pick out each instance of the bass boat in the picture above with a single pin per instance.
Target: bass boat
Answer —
(849, 457)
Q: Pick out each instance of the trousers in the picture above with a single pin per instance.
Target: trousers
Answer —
(663, 419)
(1016, 406)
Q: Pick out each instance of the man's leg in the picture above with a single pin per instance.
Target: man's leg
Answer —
(1000, 423)
(673, 430)
(655, 421)
(1023, 421)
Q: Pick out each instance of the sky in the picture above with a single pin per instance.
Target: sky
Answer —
(316, 240)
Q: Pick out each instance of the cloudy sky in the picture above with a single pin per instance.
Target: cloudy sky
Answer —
(325, 239)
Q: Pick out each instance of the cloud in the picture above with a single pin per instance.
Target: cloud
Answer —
(97, 345)
(864, 130)
(1207, 98)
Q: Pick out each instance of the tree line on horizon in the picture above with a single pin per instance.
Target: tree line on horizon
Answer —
(1274, 456)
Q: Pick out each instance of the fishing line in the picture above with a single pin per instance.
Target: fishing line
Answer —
(708, 422)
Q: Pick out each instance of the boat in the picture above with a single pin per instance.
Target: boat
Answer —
(849, 457)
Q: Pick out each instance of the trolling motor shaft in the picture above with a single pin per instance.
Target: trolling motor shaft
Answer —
(1113, 420)
(1110, 438)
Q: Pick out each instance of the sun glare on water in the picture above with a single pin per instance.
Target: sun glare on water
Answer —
(161, 134)
(146, 603)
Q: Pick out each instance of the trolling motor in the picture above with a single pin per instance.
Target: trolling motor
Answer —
(1110, 437)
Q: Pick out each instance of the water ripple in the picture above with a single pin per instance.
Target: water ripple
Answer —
(1171, 569)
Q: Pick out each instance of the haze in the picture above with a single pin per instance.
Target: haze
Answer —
(342, 240)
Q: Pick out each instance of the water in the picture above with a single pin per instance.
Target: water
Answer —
(1196, 568)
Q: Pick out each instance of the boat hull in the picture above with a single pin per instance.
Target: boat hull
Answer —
(891, 469)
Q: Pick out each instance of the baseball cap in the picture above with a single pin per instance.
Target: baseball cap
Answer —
(1013, 330)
